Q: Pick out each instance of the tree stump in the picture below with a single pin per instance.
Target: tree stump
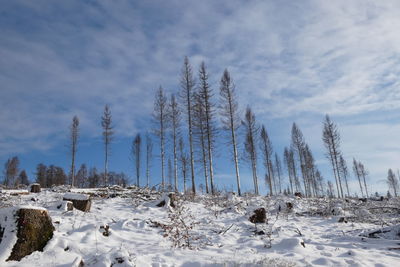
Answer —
(298, 194)
(259, 216)
(169, 200)
(79, 201)
(33, 229)
(35, 188)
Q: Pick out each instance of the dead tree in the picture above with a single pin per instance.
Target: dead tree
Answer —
(160, 114)
(288, 165)
(357, 173)
(278, 170)
(393, 182)
(184, 161)
(187, 85)
(135, 152)
(175, 125)
(74, 131)
(230, 118)
(266, 148)
(363, 173)
(149, 152)
(11, 169)
(199, 131)
(205, 93)
(331, 139)
(298, 145)
(107, 137)
(310, 169)
(343, 170)
(252, 131)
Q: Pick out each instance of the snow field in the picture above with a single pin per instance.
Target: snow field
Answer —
(221, 234)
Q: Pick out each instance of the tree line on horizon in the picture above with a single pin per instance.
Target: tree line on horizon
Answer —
(196, 102)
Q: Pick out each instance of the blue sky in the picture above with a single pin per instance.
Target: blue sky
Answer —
(290, 60)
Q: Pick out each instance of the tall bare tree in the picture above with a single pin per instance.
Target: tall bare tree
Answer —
(266, 148)
(298, 146)
(278, 170)
(344, 172)
(74, 134)
(199, 131)
(107, 137)
(357, 173)
(310, 170)
(288, 166)
(160, 115)
(175, 117)
(135, 152)
(170, 171)
(184, 161)
(205, 93)
(187, 85)
(230, 117)
(252, 131)
(393, 182)
(363, 173)
(331, 139)
(149, 155)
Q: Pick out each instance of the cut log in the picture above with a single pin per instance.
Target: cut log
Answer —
(80, 201)
(34, 188)
(23, 231)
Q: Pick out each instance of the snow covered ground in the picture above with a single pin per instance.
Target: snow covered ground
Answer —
(128, 229)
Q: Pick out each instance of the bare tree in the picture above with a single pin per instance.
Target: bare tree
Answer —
(357, 173)
(199, 131)
(331, 190)
(23, 178)
(320, 181)
(278, 170)
(175, 119)
(393, 182)
(11, 169)
(230, 117)
(288, 166)
(266, 148)
(107, 137)
(74, 128)
(252, 131)
(363, 173)
(169, 174)
(187, 85)
(205, 93)
(149, 155)
(331, 139)
(298, 145)
(343, 170)
(184, 161)
(310, 170)
(160, 116)
(135, 152)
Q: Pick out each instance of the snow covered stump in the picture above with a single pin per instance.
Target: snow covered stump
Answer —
(34, 188)
(23, 230)
(167, 200)
(80, 201)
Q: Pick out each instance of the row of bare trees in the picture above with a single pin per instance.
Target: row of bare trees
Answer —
(197, 105)
(195, 102)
